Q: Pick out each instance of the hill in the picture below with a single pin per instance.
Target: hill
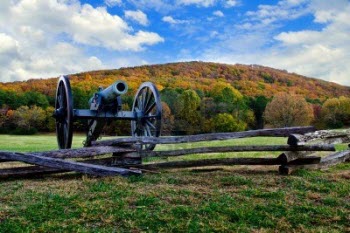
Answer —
(250, 80)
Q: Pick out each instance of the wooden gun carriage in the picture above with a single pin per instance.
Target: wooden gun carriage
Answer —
(105, 106)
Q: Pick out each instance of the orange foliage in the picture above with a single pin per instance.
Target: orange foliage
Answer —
(250, 80)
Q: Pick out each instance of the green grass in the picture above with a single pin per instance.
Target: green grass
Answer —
(234, 199)
(31, 143)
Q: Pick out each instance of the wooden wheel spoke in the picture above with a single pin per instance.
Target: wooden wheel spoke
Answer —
(148, 130)
(136, 128)
(144, 98)
(149, 124)
(151, 116)
(150, 95)
(140, 104)
(59, 101)
(150, 108)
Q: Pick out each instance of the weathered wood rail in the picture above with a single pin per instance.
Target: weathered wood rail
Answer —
(224, 149)
(279, 132)
(67, 164)
(127, 154)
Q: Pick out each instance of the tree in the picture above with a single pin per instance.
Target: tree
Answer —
(225, 122)
(28, 118)
(208, 107)
(3, 119)
(288, 110)
(11, 99)
(50, 122)
(226, 96)
(170, 96)
(336, 112)
(32, 98)
(258, 105)
(248, 118)
(345, 109)
(80, 98)
(167, 120)
(187, 112)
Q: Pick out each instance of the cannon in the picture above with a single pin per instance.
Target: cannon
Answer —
(106, 106)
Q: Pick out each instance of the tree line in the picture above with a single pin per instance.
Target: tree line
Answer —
(185, 111)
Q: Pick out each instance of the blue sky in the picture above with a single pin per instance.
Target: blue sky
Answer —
(46, 38)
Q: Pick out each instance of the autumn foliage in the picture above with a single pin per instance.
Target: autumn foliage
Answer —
(288, 110)
(336, 112)
(197, 97)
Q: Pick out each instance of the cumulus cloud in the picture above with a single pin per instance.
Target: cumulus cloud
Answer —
(163, 6)
(322, 53)
(137, 16)
(113, 3)
(8, 44)
(204, 3)
(171, 20)
(61, 58)
(231, 3)
(40, 38)
(167, 6)
(283, 10)
(218, 13)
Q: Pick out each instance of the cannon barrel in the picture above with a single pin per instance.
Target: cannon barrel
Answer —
(113, 91)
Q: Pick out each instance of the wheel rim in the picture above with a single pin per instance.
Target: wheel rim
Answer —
(147, 108)
(64, 113)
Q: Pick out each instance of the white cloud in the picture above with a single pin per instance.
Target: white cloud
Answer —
(283, 10)
(171, 20)
(231, 3)
(62, 58)
(8, 44)
(326, 11)
(40, 38)
(323, 53)
(203, 3)
(167, 6)
(295, 38)
(163, 6)
(9, 51)
(137, 16)
(214, 34)
(141, 37)
(96, 27)
(218, 13)
(113, 3)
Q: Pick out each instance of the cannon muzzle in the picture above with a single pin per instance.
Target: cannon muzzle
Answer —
(113, 91)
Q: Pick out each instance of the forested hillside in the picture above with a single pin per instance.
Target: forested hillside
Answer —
(223, 97)
(250, 80)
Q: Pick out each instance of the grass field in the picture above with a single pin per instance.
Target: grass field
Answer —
(233, 199)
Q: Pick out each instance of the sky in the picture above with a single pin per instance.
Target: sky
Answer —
(48, 38)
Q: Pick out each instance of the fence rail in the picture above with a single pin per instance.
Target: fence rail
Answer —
(127, 154)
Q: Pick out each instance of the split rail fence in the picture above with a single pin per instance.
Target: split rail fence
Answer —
(127, 154)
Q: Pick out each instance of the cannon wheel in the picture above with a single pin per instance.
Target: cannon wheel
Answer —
(64, 113)
(147, 108)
